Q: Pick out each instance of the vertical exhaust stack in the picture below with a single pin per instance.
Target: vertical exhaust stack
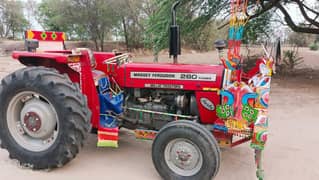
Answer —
(174, 35)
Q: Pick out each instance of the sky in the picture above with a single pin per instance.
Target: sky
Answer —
(30, 17)
(295, 12)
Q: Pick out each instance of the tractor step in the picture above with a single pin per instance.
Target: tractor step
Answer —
(108, 137)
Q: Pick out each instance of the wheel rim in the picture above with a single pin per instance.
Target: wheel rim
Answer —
(183, 157)
(32, 121)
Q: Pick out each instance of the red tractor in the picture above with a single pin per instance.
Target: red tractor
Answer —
(49, 106)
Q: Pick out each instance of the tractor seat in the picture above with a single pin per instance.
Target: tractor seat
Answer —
(91, 55)
(97, 75)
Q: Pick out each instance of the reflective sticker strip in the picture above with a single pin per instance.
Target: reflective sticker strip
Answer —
(211, 89)
(174, 76)
(45, 35)
(164, 86)
(227, 77)
(145, 134)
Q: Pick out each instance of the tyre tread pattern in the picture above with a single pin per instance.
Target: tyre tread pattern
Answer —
(75, 121)
(189, 126)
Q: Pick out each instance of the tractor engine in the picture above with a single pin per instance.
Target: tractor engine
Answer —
(153, 108)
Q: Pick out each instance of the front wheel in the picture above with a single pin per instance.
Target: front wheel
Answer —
(43, 119)
(185, 150)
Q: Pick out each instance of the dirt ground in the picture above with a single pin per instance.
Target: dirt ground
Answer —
(291, 152)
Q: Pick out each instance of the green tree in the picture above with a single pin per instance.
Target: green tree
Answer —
(12, 20)
(83, 19)
(52, 15)
(133, 15)
(197, 19)
(259, 27)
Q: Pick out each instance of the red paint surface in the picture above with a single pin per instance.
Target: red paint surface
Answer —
(60, 57)
(207, 116)
(122, 76)
(89, 89)
(100, 57)
(125, 70)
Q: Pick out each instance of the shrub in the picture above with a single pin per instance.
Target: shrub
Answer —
(292, 59)
(314, 47)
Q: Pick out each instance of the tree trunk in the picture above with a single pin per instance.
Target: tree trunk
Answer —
(96, 44)
(102, 42)
(125, 33)
(155, 55)
(6, 34)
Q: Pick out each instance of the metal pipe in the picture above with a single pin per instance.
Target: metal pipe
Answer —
(174, 34)
(161, 113)
(174, 12)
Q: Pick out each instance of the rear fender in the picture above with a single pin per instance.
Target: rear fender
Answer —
(84, 78)
(51, 63)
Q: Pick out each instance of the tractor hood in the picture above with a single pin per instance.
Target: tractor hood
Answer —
(170, 76)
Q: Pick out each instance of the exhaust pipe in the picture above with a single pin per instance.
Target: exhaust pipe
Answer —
(174, 35)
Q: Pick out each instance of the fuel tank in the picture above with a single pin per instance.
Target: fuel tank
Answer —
(192, 77)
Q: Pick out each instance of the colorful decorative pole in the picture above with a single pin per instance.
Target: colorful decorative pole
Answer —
(245, 105)
(258, 159)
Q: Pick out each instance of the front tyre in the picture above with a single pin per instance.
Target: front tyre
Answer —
(44, 117)
(185, 150)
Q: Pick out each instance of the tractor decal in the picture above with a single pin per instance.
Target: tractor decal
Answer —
(207, 104)
(173, 76)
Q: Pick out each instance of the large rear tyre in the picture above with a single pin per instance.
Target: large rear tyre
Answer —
(44, 118)
(184, 150)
